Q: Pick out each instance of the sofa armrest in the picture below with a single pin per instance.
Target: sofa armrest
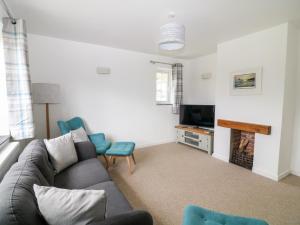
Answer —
(136, 217)
(85, 150)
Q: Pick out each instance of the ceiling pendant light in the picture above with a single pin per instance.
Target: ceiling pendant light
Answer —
(172, 35)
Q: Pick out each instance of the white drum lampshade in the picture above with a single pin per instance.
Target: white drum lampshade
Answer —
(172, 36)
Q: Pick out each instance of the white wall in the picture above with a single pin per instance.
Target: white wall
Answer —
(268, 50)
(198, 90)
(122, 105)
(295, 162)
(288, 114)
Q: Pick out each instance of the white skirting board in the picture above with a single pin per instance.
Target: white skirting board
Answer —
(149, 144)
(296, 173)
(276, 177)
(8, 155)
(284, 174)
(258, 171)
(221, 157)
(265, 174)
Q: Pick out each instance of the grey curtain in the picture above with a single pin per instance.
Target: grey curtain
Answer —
(17, 79)
(177, 87)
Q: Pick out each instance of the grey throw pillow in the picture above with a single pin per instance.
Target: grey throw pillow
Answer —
(70, 207)
(62, 152)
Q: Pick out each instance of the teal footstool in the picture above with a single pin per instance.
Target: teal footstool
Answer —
(194, 215)
(121, 149)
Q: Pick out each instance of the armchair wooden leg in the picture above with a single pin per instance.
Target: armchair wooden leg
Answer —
(129, 164)
(106, 161)
(133, 158)
(109, 161)
(114, 160)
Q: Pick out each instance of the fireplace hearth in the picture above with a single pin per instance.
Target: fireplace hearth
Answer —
(242, 140)
(242, 148)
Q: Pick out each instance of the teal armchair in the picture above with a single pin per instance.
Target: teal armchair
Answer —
(195, 215)
(98, 139)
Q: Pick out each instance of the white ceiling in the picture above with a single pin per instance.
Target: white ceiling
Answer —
(134, 24)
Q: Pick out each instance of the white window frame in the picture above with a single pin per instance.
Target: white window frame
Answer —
(169, 71)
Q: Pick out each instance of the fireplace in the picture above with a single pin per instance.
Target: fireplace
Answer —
(242, 148)
(242, 141)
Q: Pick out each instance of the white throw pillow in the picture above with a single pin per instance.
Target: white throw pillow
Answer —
(79, 135)
(62, 151)
(70, 207)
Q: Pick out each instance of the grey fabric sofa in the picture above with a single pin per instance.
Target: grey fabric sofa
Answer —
(18, 204)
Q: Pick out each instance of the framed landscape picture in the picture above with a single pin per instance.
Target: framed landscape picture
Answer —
(246, 82)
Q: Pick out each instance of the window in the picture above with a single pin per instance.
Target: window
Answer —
(163, 86)
(3, 100)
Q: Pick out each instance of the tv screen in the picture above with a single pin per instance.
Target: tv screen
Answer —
(197, 115)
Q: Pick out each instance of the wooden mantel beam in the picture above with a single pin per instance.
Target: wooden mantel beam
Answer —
(249, 127)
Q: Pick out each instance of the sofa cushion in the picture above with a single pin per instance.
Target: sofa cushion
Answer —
(74, 207)
(36, 153)
(81, 175)
(18, 203)
(79, 135)
(85, 150)
(62, 152)
(116, 202)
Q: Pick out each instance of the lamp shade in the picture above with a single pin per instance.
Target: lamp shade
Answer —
(172, 36)
(45, 93)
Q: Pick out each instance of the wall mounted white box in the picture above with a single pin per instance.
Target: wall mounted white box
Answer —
(103, 70)
(206, 76)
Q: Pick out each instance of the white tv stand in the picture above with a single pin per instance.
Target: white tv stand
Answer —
(200, 138)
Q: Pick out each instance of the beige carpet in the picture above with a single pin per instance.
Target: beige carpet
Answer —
(168, 177)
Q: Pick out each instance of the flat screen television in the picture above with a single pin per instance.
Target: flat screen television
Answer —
(197, 115)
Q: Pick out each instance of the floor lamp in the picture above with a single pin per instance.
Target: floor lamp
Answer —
(46, 93)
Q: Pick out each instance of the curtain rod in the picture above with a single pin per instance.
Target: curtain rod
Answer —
(158, 62)
(8, 12)
(155, 62)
